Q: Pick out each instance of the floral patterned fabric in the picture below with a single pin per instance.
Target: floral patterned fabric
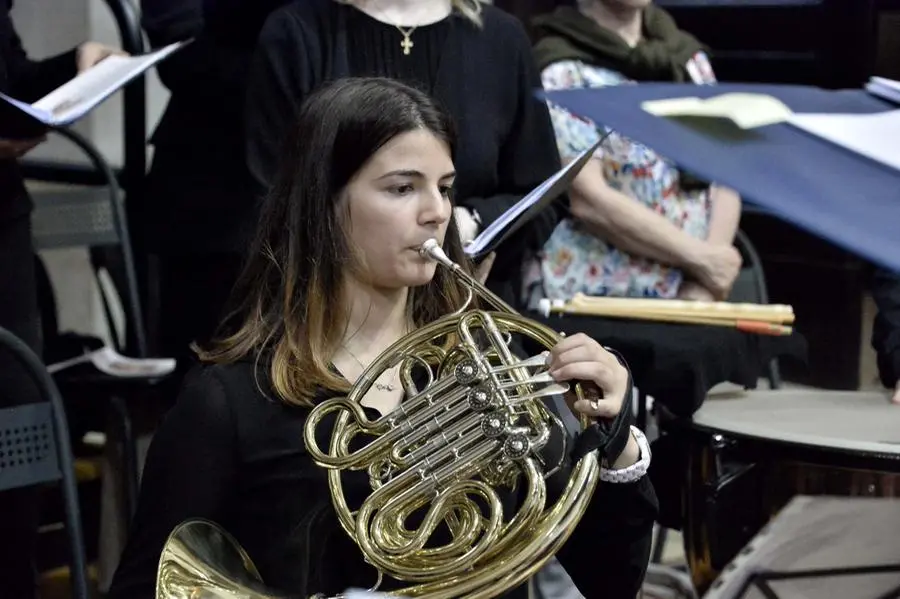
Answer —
(573, 259)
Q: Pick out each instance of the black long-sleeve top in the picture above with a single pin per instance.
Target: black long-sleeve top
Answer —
(229, 453)
(199, 195)
(886, 329)
(27, 80)
(485, 77)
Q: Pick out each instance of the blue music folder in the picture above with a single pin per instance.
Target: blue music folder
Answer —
(843, 197)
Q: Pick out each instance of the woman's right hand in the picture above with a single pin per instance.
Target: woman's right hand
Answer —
(11, 149)
(717, 269)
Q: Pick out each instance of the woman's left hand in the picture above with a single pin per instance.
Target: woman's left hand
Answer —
(580, 358)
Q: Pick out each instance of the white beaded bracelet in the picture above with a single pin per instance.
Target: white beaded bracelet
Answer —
(637, 470)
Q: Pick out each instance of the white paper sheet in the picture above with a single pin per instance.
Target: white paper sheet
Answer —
(887, 89)
(876, 136)
(74, 99)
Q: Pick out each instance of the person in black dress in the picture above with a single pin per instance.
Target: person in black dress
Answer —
(197, 212)
(28, 80)
(334, 278)
(475, 59)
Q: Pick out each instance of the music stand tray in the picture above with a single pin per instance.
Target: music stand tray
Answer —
(820, 548)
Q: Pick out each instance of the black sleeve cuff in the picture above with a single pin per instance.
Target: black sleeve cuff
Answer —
(609, 437)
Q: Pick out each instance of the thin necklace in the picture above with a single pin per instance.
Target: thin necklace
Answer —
(407, 43)
(379, 386)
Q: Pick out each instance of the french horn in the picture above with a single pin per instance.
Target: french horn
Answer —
(475, 427)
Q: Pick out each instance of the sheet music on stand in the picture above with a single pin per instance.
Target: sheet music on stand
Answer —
(820, 548)
(529, 206)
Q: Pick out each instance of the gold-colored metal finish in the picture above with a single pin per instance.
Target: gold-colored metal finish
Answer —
(202, 561)
(469, 433)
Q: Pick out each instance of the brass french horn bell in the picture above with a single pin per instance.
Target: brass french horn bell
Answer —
(475, 427)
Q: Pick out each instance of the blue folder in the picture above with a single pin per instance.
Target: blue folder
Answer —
(847, 199)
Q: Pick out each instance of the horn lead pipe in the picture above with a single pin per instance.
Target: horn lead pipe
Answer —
(433, 250)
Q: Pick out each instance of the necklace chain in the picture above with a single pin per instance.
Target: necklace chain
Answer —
(407, 44)
(380, 386)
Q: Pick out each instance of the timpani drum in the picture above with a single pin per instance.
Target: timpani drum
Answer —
(751, 452)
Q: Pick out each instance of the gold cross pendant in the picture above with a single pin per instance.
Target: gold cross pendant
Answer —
(407, 45)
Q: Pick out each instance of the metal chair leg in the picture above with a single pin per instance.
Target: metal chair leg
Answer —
(660, 545)
(122, 421)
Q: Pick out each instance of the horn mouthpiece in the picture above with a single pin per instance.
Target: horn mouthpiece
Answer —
(432, 249)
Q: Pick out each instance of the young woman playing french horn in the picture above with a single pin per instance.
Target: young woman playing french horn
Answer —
(336, 276)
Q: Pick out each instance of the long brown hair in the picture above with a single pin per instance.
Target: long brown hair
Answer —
(286, 301)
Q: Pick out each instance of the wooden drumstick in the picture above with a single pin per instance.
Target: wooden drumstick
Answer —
(776, 313)
(546, 307)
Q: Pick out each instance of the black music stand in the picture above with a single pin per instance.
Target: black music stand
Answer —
(821, 547)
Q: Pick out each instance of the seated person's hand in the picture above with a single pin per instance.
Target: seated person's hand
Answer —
(718, 268)
(695, 292)
(90, 53)
(896, 398)
(10, 149)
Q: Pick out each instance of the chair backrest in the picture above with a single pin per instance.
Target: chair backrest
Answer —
(92, 216)
(34, 439)
(28, 453)
(750, 286)
(92, 221)
(72, 217)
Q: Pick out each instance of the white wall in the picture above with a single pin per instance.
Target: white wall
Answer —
(49, 27)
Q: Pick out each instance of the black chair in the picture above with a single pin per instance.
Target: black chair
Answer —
(751, 287)
(35, 449)
(91, 214)
(101, 221)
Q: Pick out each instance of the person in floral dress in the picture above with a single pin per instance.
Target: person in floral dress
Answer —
(638, 226)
